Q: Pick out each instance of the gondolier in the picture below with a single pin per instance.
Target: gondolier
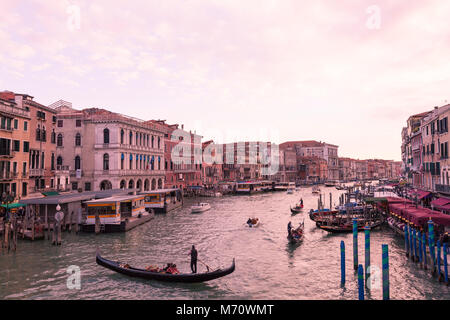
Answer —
(289, 227)
(193, 259)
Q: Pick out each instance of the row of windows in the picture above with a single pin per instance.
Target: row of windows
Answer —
(6, 122)
(60, 123)
(430, 149)
(440, 126)
(60, 141)
(5, 146)
(140, 139)
(433, 167)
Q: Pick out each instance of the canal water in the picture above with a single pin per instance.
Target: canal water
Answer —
(267, 267)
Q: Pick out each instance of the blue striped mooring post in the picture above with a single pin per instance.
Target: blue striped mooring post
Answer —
(342, 263)
(411, 243)
(438, 255)
(360, 282)
(406, 240)
(445, 263)
(355, 244)
(385, 270)
(431, 245)
(419, 237)
(367, 251)
(416, 258)
(424, 244)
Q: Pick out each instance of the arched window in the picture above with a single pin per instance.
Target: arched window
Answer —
(122, 160)
(122, 133)
(131, 137)
(78, 139)
(106, 135)
(159, 142)
(153, 140)
(105, 161)
(59, 140)
(59, 161)
(77, 162)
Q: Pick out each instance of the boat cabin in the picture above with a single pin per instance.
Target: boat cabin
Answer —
(163, 201)
(114, 209)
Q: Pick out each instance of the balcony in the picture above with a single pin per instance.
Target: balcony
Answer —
(10, 154)
(6, 175)
(443, 188)
(36, 172)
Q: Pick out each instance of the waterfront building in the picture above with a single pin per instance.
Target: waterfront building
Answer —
(345, 169)
(323, 150)
(313, 169)
(188, 173)
(288, 169)
(411, 144)
(434, 151)
(212, 171)
(105, 150)
(42, 145)
(14, 146)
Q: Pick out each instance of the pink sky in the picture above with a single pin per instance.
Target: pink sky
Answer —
(238, 70)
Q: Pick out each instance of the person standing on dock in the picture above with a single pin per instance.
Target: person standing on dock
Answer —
(193, 259)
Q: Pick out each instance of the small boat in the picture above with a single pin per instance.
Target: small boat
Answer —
(253, 223)
(315, 189)
(201, 207)
(348, 227)
(159, 276)
(296, 235)
(217, 194)
(290, 191)
(297, 209)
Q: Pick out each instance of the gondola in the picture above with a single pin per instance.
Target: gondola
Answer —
(297, 209)
(149, 275)
(347, 228)
(296, 239)
(253, 223)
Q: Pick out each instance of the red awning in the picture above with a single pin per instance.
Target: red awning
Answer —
(440, 202)
(420, 194)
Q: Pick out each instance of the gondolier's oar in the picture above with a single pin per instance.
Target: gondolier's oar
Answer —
(207, 267)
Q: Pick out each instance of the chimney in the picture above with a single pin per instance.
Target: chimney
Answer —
(182, 127)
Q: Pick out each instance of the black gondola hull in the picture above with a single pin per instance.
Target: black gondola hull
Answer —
(144, 274)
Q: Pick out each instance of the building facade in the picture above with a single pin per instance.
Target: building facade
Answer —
(14, 146)
(105, 150)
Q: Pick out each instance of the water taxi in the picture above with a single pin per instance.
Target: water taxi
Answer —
(115, 214)
(330, 184)
(201, 207)
(284, 186)
(248, 187)
(316, 189)
(163, 201)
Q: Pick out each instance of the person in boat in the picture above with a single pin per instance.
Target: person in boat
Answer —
(249, 222)
(193, 259)
(301, 202)
(289, 227)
